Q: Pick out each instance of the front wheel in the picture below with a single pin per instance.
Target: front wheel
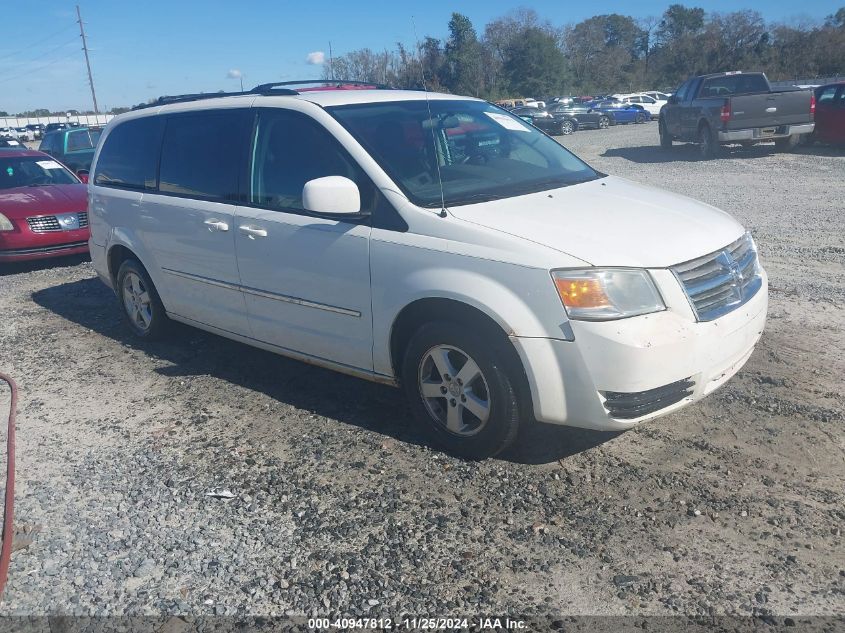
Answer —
(665, 138)
(461, 389)
(604, 122)
(640, 118)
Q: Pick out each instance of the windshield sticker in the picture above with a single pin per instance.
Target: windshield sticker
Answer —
(507, 122)
(48, 164)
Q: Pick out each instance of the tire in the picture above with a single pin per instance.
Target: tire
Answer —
(604, 122)
(140, 303)
(470, 410)
(787, 144)
(640, 118)
(665, 139)
(708, 147)
(566, 128)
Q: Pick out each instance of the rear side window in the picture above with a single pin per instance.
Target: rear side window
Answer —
(129, 157)
(82, 139)
(200, 154)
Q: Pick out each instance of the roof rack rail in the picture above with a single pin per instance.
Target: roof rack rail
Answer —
(277, 89)
(278, 86)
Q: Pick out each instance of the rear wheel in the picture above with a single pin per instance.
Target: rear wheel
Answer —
(708, 147)
(461, 389)
(566, 127)
(139, 299)
(640, 118)
(604, 122)
(665, 138)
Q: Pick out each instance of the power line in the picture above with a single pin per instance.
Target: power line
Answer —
(40, 57)
(30, 71)
(50, 52)
(38, 43)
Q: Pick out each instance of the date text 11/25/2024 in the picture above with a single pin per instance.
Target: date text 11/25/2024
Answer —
(417, 624)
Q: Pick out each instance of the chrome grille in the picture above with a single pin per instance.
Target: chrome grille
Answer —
(50, 223)
(722, 281)
(44, 223)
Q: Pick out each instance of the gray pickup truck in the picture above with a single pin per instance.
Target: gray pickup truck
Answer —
(735, 107)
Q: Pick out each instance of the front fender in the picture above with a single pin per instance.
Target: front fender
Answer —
(521, 300)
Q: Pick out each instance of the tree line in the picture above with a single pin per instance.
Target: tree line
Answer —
(522, 54)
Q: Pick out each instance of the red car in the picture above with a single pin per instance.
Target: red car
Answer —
(830, 113)
(43, 207)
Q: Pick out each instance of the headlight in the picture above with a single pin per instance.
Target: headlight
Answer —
(5, 225)
(602, 294)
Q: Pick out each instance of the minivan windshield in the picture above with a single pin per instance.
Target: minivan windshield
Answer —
(480, 151)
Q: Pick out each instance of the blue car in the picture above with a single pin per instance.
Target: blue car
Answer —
(622, 113)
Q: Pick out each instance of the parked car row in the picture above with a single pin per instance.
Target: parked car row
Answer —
(31, 132)
(565, 117)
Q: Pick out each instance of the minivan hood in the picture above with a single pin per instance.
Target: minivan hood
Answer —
(611, 222)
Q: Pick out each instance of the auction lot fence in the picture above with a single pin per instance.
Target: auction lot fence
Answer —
(82, 119)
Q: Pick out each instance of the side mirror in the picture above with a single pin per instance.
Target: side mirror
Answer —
(83, 175)
(333, 195)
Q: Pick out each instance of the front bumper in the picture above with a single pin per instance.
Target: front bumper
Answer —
(24, 245)
(617, 374)
(761, 133)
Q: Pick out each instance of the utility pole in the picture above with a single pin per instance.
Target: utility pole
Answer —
(87, 62)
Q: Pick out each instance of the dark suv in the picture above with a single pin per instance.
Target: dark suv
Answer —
(73, 146)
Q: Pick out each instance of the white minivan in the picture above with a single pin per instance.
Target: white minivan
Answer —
(424, 240)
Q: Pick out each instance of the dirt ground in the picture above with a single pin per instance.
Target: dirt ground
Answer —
(734, 505)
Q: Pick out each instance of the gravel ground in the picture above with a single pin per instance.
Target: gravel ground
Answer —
(732, 506)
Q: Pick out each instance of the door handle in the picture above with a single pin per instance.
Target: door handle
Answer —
(251, 232)
(216, 225)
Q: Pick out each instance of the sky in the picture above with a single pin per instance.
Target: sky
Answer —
(144, 49)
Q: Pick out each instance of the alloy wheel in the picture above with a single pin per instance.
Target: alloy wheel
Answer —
(454, 390)
(137, 302)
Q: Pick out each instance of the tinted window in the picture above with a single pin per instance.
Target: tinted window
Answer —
(825, 95)
(733, 85)
(681, 93)
(291, 149)
(200, 154)
(82, 139)
(647, 100)
(129, 157)
(47, 143)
